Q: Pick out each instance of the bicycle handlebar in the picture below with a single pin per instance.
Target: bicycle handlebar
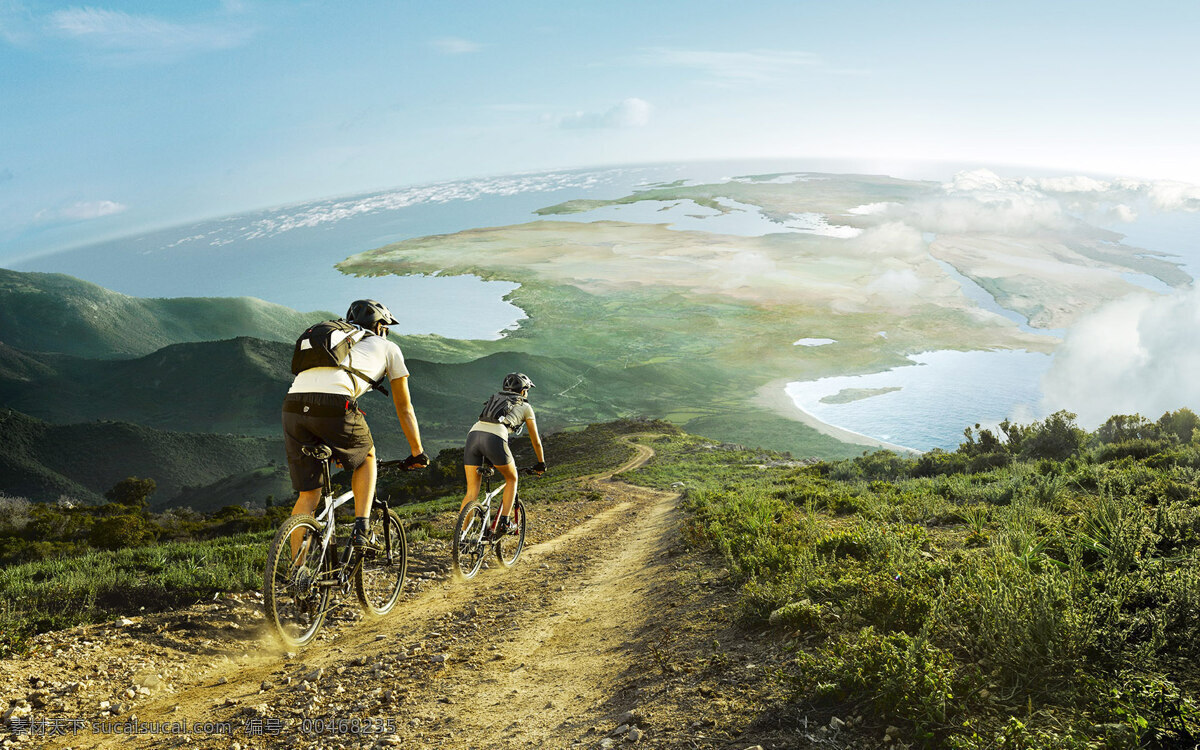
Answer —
(398, 463)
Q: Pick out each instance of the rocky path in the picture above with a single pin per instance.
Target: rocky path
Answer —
(608, 632)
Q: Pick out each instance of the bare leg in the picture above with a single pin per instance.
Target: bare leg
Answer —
(472, 485)
(509, 472)
(363, 486)
(306, 503)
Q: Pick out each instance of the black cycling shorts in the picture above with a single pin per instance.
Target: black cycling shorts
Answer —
(310, 418)
(482, 444)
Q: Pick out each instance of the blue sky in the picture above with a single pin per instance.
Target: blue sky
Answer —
(121, 116)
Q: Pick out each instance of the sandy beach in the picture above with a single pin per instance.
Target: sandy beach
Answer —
(772, 396)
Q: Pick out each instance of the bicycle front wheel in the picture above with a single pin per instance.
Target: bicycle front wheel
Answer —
(468, 546)
(509, 546)
(380, 578)
(293, 598)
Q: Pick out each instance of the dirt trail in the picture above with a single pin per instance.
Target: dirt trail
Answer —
(591, 639)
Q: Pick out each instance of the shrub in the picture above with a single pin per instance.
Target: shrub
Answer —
(118, 532)
(903, 678)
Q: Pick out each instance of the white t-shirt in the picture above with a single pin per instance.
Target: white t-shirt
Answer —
(373, 355)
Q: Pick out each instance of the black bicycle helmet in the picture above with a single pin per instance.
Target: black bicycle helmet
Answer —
(368, 312)
(515, 382)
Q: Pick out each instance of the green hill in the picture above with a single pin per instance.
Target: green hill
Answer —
(42, 461)
(246, 488)
(237, 386)
(214, 386)
(50, 312)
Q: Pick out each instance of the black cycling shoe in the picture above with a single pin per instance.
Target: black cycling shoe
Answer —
(503, 526)
(364, 541)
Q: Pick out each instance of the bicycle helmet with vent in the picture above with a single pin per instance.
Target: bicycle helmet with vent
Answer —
(515, 382)
(368, 312)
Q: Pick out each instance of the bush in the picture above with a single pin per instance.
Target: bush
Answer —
(904, 678)
(119, 532)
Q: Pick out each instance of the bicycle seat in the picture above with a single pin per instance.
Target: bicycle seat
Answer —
(485, 468)
(319, 451)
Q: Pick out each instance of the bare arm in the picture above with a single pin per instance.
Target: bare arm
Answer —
(531, 424)
(406, 415)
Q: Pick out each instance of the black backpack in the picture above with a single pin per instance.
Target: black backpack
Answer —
(500, 408)
(313, 349)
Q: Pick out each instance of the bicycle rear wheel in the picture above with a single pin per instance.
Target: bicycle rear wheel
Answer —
(294, 602)
(509, 546)
(380, 578)
(469, 548)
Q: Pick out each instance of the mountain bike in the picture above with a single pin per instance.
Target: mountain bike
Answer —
(474, 532)
(297, 587)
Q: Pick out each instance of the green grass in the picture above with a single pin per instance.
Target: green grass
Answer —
(59, 593)
(1039, 603)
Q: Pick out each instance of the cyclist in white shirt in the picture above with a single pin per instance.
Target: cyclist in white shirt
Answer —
(322, 407)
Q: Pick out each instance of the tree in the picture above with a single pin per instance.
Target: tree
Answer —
(1056, 437)
(132, 492)
(1120, 428)
(1181, 424)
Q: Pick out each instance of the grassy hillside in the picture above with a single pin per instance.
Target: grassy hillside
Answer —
(251, 489)
(1035, 589)
(237, 386)
(61, 591)
(49, 312)
(42, 461)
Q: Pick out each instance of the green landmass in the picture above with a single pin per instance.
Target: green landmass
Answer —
(693, 341)
(694, 325)
(848, 395)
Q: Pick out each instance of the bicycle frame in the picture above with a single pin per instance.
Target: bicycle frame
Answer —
(326, 516)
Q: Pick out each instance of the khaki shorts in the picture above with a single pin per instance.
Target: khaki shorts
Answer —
(311, 418)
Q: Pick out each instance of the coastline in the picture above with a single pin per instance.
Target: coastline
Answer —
(773, 397)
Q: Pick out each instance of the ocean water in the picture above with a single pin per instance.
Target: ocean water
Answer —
(940, 394)
(286, 255)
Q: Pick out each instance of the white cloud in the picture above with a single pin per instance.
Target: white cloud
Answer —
(452, 45)
(629, 113)
(1081, 193)
(902, 283)
(1067, 184)
(1134, 355)
(81, 211)
(730, 68)
(1121, 212)
(1173, 196)
(891, 239)
(15, 23)
(142, 36)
